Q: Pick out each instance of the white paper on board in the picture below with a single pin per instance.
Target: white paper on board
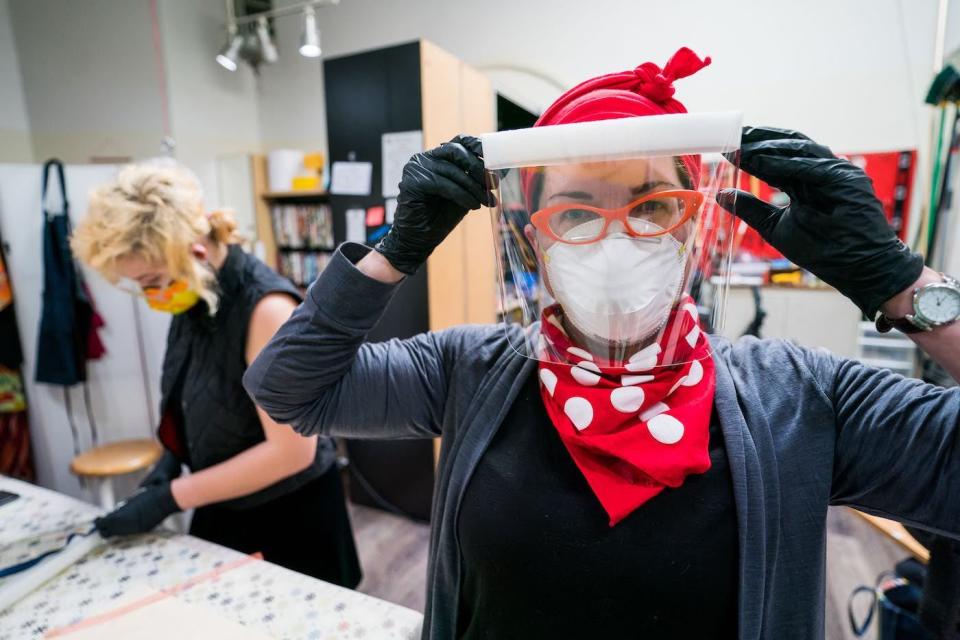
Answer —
(357, 225)
(396, 149)
(391, 206)
(351, 178)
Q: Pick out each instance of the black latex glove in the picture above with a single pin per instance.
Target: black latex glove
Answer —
(437, 189)
(139, 514)
(833, 227)
(166, 469)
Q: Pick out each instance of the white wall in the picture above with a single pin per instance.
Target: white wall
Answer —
(213, 112)
(92, 84)
(93, 88)
(290, 93)
(813, 317)
(88, 78)
(15, 144)
(849, 73)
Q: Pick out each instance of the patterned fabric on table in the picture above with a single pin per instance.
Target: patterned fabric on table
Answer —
(280, 602)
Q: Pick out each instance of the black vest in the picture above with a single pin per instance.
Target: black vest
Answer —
(208, 353)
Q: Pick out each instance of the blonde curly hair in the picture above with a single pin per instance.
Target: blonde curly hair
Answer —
(155, 213)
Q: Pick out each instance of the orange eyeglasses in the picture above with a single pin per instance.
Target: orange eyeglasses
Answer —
(668, 210)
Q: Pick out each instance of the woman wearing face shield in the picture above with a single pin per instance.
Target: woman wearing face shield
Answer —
(636, 478)
(251, 479)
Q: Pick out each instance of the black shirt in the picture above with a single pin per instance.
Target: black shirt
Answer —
(205, 360)
(541, 561)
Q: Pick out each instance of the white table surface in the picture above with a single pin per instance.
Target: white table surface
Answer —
(275, 600)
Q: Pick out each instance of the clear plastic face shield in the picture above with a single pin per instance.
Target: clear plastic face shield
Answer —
(610, 232)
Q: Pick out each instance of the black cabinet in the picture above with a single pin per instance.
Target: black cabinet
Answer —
(409, 87)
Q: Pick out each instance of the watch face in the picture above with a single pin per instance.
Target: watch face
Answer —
(939, 304)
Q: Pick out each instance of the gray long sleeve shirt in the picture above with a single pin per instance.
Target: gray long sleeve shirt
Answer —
(803, 430)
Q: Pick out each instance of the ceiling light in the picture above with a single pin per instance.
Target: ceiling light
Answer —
(310, 40)
(268, 49)
(231, 50)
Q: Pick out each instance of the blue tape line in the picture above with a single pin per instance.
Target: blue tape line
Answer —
(27, 564)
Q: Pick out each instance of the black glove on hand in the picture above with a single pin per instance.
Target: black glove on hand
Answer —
(437, 189)
(167, 468)
(139, 514)
(833, 227)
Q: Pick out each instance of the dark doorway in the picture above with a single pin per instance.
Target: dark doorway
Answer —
(510, 115)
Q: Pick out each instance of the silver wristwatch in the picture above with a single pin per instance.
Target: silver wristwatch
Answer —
(934, 305)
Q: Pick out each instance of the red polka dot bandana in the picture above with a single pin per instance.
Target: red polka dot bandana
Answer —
(633, 428)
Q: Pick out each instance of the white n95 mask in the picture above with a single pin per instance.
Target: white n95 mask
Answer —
(619, 289)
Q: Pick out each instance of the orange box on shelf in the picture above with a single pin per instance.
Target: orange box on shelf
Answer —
(313, 161)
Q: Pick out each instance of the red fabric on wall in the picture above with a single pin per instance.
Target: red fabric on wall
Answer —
(15, 457)
(892, 175)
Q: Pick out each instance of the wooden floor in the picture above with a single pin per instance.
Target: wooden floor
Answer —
(856, 554)
(393, 552)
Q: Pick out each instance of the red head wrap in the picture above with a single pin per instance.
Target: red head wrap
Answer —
(644, 91)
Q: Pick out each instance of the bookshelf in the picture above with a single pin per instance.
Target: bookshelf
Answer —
(294, 227)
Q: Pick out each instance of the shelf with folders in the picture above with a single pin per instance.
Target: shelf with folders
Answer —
(303, 226)
(303, 233)
(303, 267)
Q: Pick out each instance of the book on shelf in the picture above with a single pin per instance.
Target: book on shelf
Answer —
(304, 236)
(303, 267)
(303, 226)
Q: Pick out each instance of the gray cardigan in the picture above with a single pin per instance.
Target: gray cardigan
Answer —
(803, 429)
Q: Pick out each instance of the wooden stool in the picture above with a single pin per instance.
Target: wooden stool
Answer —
(898, 533)
(105, 462)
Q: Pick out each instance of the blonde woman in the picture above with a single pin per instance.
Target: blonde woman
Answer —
(252, 480)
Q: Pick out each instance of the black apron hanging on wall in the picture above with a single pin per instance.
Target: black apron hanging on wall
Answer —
(68, 321)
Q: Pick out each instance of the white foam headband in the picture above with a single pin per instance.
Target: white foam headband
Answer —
(622, 138)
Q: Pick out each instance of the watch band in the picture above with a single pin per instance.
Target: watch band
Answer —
(885, 325)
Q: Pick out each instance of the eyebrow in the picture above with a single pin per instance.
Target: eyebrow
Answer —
(573, 195)
(636, 191)
(650, 186)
